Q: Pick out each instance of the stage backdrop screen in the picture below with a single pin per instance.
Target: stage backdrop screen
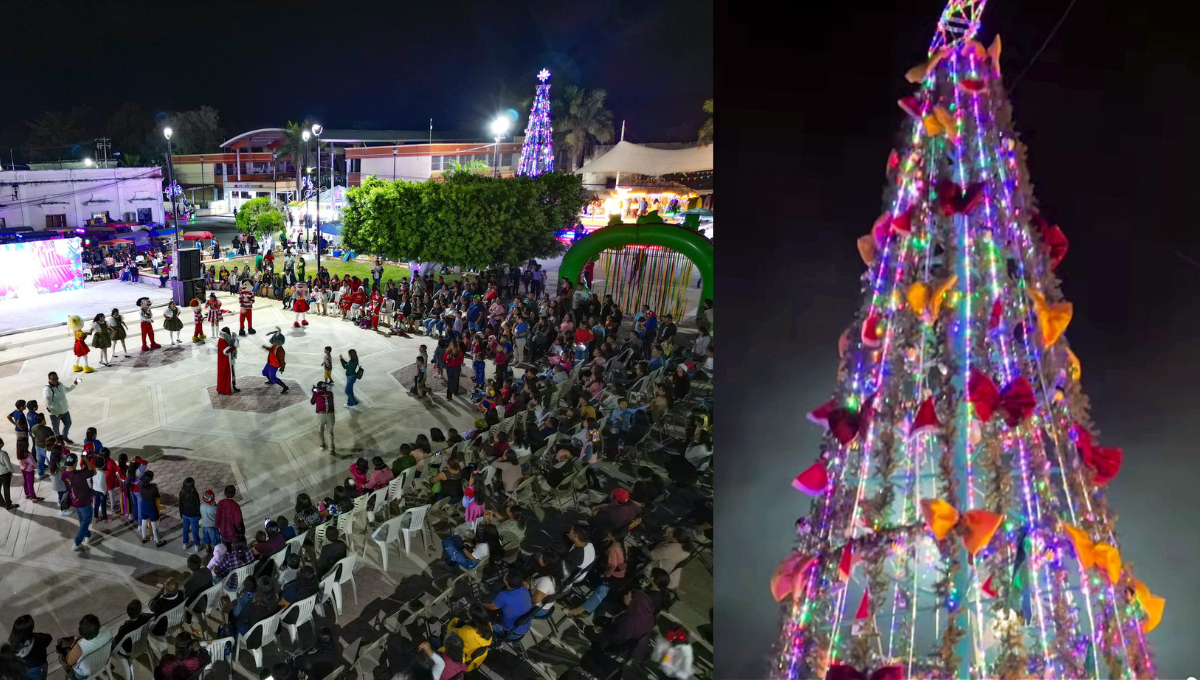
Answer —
(37, 267)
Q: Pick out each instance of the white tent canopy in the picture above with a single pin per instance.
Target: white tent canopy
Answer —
(637, 159)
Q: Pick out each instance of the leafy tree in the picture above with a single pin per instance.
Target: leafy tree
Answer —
(469, 220)
(51, 135)
(581, 122)
(706, 130)
(260, 216)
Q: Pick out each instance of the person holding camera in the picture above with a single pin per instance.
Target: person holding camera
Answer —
(322, 398)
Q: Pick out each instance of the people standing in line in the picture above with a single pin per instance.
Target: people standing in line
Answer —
(353, 373)
(6, 474)
(119, 329)
(453, 360)
(55, 395)
(230, 524)
(322, 398)
(78, 477)
(149, 509)
(189, 512)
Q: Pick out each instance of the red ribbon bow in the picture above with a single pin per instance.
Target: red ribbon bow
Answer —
(1104, 461)
(1016, 400)
(954, 200)
(887, 224)
(1053, 239)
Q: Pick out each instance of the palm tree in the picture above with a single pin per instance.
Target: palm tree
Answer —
(293, 145)
(706, 130)
(582, 122)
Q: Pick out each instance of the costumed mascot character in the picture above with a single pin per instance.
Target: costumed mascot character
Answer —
(198, 318)
(75, 325)
(213, 313)
(147, 318)
(246, 303)
(275, 360)
(300, 304)
(227, 346)
(172, 323)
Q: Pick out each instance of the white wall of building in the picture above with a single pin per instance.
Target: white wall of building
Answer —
(28, 196)
(413, 168)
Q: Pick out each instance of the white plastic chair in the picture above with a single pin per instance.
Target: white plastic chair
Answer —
(377, 507)
(412, 521)
(159, 644)
(268, 627)
(296, 543)
(99, 661)
(205, 603)
(489, 473)
(242, 573)
(406, 477)
(139, 644)
(220, 650)
(326, 592)
(393, 493)
(304, 614)
(278, 558)
(384, 535)
(343, 571)
(345, 527)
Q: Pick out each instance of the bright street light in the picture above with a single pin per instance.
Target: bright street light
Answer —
(87, 162)
(167, 132)
(304, 135)
(317, 129)
(500, 126)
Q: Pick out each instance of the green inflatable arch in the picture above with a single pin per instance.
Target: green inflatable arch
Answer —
(680, 239)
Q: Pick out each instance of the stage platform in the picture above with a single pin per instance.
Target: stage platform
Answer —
(52, 309)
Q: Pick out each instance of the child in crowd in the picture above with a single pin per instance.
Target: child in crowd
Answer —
(327, 364)
(419, 389)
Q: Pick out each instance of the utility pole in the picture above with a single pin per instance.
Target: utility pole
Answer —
(103, 146)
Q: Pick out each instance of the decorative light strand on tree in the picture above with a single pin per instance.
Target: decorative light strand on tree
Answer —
(537, 151)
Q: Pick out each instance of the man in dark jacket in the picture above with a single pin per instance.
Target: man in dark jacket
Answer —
(331, 553)
(627, 634)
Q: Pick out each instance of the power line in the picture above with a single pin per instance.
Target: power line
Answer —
(1037, 54)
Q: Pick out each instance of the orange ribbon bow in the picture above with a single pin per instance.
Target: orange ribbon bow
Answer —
(1075, 369)
(1152, 604)
(940, 122)
(1053, 318)
(979, 525)
(788, 578)
(927, 304)
(1092, 554)
(917, 74)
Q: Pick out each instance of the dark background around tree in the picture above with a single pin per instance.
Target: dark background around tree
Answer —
(807, 119)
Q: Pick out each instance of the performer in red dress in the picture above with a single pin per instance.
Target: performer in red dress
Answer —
(246, 303)
(226, 356)
(197, 317)
(375, 306)
(300, 304)
(213, 312)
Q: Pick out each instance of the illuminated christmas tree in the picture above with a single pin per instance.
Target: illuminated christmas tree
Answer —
(958, 528)
(537, 152)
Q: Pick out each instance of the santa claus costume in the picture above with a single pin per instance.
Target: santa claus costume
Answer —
(197, 318)
(357, 301)
(374, 307)
(300, 304)
(345, 299)
(226, 358)
(246, 305)
(147, 318)
(213, 312)
(75, 325)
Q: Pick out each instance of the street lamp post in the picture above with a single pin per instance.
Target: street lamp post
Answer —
(316, 130)
(499, 127)
(274, 176)
(395, 151)
(202, 184)
(174, 206)
(306, 135)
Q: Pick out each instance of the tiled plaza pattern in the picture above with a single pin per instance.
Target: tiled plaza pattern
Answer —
(257, 397)
(164, 410)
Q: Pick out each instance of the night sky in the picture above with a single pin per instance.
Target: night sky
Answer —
(807, 119)
(371, 65)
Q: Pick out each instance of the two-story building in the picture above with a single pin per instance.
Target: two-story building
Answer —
(251, 164)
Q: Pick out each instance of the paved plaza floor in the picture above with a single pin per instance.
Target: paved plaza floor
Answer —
(162, 406)
(26, 313)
